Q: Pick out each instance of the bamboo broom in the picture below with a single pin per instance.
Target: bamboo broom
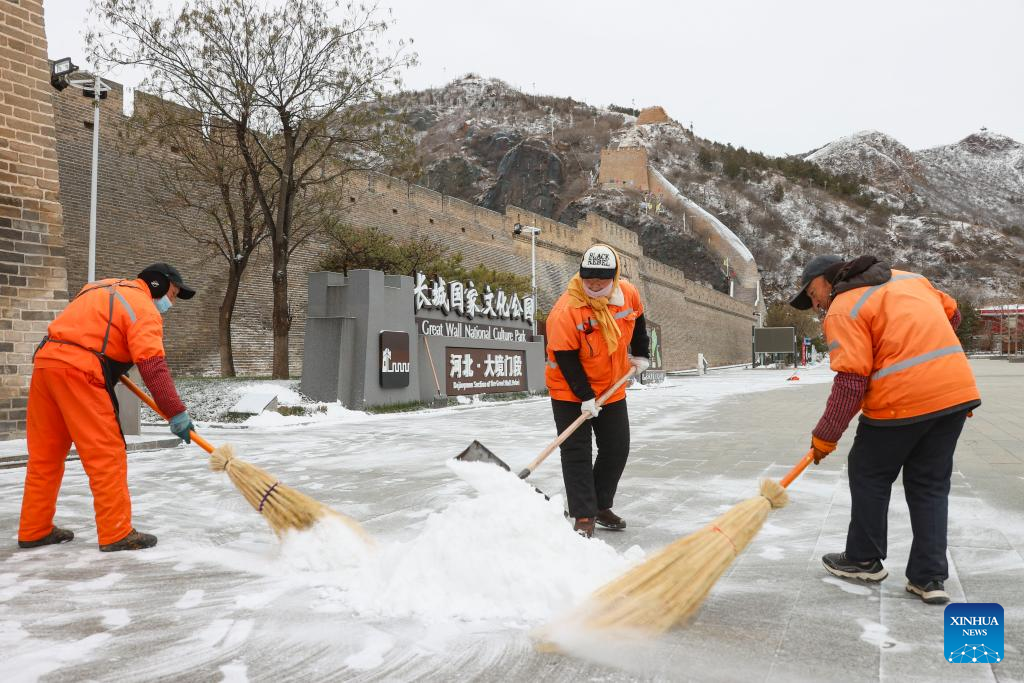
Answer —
(284, 508)
(672, 585)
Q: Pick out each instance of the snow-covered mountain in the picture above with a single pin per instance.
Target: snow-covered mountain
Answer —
(890, 167)
(978, 179)
(954, 213)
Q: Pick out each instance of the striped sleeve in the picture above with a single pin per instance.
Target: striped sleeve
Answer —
(157, 377)
(843, 403)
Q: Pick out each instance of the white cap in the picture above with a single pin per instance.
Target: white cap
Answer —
(598, 262)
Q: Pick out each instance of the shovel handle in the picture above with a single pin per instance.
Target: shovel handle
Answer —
(528, 470)
(797, 469)
(200, 441)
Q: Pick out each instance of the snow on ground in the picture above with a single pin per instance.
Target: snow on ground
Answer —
(466, 556)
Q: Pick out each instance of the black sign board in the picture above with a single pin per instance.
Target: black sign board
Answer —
(394, 360)
(774, 340)
(484, 371)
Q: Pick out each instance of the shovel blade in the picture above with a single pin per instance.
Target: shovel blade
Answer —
(477, 452)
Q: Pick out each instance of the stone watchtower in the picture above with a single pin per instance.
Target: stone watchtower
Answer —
(625, 167)
(653, 114)
(33, 276)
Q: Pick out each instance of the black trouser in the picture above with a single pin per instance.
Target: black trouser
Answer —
(591, 487)
(924, 451)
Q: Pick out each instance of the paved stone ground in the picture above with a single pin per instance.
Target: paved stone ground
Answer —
(775, 616)
(821, 628)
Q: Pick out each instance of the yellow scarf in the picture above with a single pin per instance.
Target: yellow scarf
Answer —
(609, 329)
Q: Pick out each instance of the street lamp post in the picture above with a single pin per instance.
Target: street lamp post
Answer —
(96, 90)
(95, 168)
(519, 229)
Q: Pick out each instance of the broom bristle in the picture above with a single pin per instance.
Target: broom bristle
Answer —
(284, 508)
(671, 586)
(775, 493)
(220, 456)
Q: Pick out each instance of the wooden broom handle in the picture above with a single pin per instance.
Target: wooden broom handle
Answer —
(797, 469)
(574, 426)
(200, 441)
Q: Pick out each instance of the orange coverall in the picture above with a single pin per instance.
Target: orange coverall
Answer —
(69, 402)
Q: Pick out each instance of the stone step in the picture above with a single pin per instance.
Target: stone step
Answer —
(10, 459)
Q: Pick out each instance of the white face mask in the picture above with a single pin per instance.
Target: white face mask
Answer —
(163, 304)
(600, 293)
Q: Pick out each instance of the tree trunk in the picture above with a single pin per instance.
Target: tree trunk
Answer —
(227, 310)
(281, 316)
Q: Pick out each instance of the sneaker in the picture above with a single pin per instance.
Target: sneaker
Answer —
(839, 565)
(56, 535)
(135, 540)
(584, 526)
(610, 520)
(933, 592)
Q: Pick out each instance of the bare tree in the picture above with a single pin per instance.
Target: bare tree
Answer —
(300, 92)
(204, 185)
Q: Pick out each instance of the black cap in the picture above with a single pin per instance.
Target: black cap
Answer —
(817, 266)
(158, 285)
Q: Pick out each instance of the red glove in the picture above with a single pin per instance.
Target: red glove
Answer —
(821, 448)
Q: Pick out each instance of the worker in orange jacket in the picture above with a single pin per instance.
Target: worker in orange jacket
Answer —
(109, 326)
(595, 333)
(892, 342)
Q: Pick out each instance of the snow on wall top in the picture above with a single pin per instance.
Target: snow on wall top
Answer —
(724, 232)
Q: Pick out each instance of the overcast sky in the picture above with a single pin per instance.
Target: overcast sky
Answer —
(779, 77)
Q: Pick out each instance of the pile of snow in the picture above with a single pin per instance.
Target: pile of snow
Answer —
(313, 413)
(503, 554)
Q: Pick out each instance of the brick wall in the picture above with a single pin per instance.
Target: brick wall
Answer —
(133, 231)
(652, 115)
(746, 275)
(624, 166)
(693, 318)
(33, 280)
(629, 167)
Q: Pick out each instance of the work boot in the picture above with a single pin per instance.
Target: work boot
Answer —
(135, 540)
(839, 565)
(56, 535)
(610, 520)
(933, 592)
(584, 526)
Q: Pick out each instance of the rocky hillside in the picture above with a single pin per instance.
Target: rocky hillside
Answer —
(979, 179)
(955, 213)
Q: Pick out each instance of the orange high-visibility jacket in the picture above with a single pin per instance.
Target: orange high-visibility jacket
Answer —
(136, 329)
(898, 335)
(576, 329)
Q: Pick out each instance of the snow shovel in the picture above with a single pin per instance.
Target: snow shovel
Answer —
(477, 452)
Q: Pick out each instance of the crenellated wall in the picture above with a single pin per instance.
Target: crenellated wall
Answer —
(133, 231)
(693, 318)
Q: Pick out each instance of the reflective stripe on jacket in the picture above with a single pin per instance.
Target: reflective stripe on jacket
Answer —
(576, 329)
(134, 333)
(898, 335)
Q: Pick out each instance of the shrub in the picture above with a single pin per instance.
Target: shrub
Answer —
(624, 110)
